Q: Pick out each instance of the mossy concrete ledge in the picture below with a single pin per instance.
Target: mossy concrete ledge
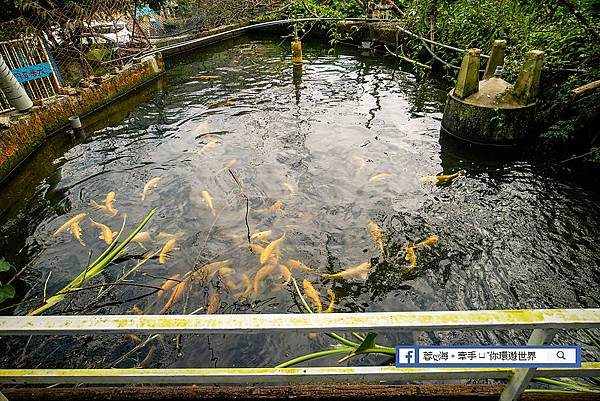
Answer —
(25, 132)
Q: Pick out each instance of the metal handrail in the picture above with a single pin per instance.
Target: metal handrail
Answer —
(229, 324)
(544, 322)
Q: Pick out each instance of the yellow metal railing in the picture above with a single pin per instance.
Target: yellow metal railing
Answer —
(544, 323)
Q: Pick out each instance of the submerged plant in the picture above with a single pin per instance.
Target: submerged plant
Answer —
(367, 344)
(581, 385)
(7, 291)
(97, 266)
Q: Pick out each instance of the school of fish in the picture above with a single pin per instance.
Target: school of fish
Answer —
(267, 245)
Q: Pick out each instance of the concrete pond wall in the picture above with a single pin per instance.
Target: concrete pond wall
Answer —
(22, 133)
(27, 131)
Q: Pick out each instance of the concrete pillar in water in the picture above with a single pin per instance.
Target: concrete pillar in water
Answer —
(528, 82)
(297, 52)
(492, 111)
(496, 58)
(13, 90)
(468, 77)
(297, 79)
(75, 123)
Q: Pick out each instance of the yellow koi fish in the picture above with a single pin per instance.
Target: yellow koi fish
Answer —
(286, 274)
(166, 249)
(225, 271)
(429, 241)
(208, 271)
(376, 233)
(312, 294)
(101, 207)
(441, 179)
(214, 302)
(379, 177)
(76, 231)
(108, 202)
(270, 248)
(176, 294)
(205, 77)
(360, 272)
(208, 146)
(276, 207)
(143, 236)
(229, 284)
(167, 236)
(260, 275)
(150, 185)
(262, 236)
(289, 187)
(168, 284)
(106, 233)
(246, 284)
(331, 300)
(133, 338)
(296, 264)
(255, 248)
(360, 161)
(229, 164)
(221, 103)
(410, 255)
(209, 201)
(76, 219)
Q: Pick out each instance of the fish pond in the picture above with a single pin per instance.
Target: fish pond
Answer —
(260, 172)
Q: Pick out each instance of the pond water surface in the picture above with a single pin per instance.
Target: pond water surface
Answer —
(320, 153)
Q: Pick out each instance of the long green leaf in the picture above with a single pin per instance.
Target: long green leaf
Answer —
(94, 268)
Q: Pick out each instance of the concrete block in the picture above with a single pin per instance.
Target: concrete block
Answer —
(468, 77)
(528, 82)
(496, 58)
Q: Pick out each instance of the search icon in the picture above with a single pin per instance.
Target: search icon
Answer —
(561, 355)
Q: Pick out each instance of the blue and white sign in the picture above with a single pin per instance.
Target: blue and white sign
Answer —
(488, 356)
(32, 72)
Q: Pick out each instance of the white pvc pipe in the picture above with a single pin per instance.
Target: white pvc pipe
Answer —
(13, 90)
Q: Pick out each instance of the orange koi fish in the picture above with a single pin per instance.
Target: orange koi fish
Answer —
(312, 294)
(376, 233)
(360, 272)
(429, 241)
(150, 185)
(76, 219)
(270, 248)
(166, 249)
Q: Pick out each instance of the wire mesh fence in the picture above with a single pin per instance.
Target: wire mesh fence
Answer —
(31, 65)
(83, 38)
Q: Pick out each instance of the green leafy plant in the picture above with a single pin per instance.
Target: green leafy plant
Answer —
(7, 291)
(113, 251)
(582, 385)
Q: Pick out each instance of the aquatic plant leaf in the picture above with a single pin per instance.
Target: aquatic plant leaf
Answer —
(93, 269)
(4, 265)
(7, 291)
(368, 343)
(365, 347)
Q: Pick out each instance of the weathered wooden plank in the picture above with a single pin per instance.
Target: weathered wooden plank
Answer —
(421, 392)
(326, 375)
